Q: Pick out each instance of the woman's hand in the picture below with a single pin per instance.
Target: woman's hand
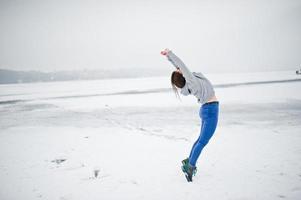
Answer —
(165, 52)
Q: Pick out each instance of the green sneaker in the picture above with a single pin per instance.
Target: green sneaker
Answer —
(190, 172)
(185, 166)
(185, 161)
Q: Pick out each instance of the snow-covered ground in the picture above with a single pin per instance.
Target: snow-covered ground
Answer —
(133, 133)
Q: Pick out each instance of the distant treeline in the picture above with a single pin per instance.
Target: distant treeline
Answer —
(11, 76)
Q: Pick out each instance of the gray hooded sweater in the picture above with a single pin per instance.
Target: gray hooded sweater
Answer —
(196, 83)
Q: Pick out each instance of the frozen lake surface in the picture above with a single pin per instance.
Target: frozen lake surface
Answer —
(125, 139)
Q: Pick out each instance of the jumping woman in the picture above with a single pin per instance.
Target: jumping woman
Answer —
(198, 85)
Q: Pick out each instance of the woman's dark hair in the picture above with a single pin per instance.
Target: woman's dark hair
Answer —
(177, 81)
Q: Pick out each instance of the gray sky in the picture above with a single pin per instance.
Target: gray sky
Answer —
(209, 35)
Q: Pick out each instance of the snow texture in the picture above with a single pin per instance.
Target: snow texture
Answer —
(125, 139)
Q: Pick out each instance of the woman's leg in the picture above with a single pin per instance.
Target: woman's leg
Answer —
(196, 142)
(209, 123)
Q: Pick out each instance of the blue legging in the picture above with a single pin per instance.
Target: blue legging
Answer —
(209, 116)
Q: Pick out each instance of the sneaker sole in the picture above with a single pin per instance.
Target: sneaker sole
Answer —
(186, 175)
(188, 178)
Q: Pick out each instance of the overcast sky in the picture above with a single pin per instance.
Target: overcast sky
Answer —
(209, 35)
